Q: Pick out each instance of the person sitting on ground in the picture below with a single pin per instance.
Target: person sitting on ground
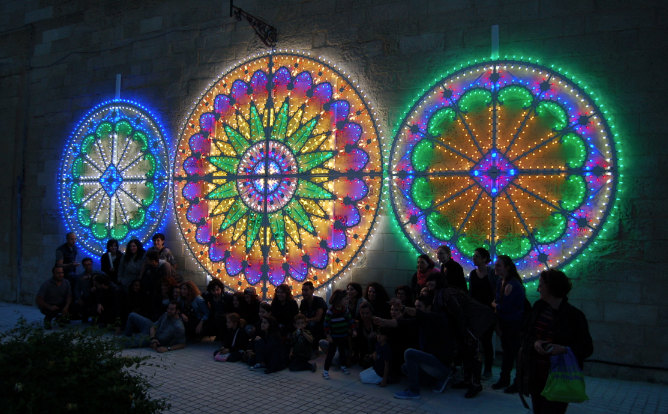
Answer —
(194, 312)
(379, 373)
(236, 340)
(552, 328)
(436, 353)
(355, 299)
(284, 308)
(137, 301)
(425, 266)
(252, 306)
(162, 296)
(405, 294)
(131, 264)
(111, 260)
(379, 299)
(365, 342)
(338, 325)
(453, 271)
(163, 252)
(270, 353)
(300, 341)
(155, 269)
(108, 302)
(313, 308)
(167, 334)
(82, 289)
(54, 298)
(217, 301)
(482, 281)
(66, 256)
(256, 331)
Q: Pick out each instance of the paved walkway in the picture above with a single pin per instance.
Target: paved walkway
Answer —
(195, 383)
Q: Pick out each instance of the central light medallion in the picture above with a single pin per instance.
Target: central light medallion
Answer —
(278, 174)
(493, 173)
(270, 169)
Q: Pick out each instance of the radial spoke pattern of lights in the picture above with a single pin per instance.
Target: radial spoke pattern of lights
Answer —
(278, 173)
(115, 176)
(507, 155)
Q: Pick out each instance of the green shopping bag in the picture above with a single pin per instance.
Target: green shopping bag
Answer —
(566, 380)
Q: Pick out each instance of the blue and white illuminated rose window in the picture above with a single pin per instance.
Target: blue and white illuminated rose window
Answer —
(114, 177)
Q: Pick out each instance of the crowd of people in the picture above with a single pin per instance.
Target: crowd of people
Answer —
(425, 332)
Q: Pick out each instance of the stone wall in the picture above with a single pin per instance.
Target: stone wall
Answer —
(60, 58)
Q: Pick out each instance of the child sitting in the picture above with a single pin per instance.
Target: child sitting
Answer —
(235, 339)
(380, 371)
(301, 340)
(270, 353)
(338, 323)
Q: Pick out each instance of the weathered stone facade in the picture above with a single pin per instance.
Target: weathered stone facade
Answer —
(60, 58)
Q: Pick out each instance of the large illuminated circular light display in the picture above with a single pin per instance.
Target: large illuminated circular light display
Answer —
(506, 155)
(114, 178)
(278, 173)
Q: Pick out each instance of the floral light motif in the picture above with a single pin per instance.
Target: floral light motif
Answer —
(278, 173)
(507, 155)
(115, 175)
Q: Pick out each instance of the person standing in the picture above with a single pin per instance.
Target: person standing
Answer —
(482, 282)
(551, 328)
(131, 264)
(509, 306)
(66, 256)
(110, 260)
(453, 271)
(425, 267)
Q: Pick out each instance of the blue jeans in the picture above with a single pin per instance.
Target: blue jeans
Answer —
(417, 361)
(136, 323)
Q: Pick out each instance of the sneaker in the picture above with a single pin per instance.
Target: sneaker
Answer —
(407, 394)
(257, 366)
(325, 375)
(473, 391)
(512, 389)
(345, 370)
(461, 386)
(487, 375)
(440, 385)
(501, 384)
(313, 367)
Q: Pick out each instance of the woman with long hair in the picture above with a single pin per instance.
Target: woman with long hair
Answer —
(509, 306)
(378, 297)
(129, 268)
(284, 308)
(355, 298)
(111, 259)
(193, 309)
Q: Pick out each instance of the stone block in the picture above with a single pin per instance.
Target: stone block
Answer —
(40, 14)
(315, 7)
(56, 34)
(365, 275)
(406, 260)
(634, 314)
(394, 278)
(593, 310)
(150, 25)
(422, 43)
(319, 39)
(42, 49)
(381, 260)
(7, 290)
(655, 251)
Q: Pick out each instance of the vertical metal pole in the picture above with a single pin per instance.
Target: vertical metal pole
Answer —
(118, 86)
(495, 42)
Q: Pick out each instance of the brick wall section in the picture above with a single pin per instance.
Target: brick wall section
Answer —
(168, 52)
